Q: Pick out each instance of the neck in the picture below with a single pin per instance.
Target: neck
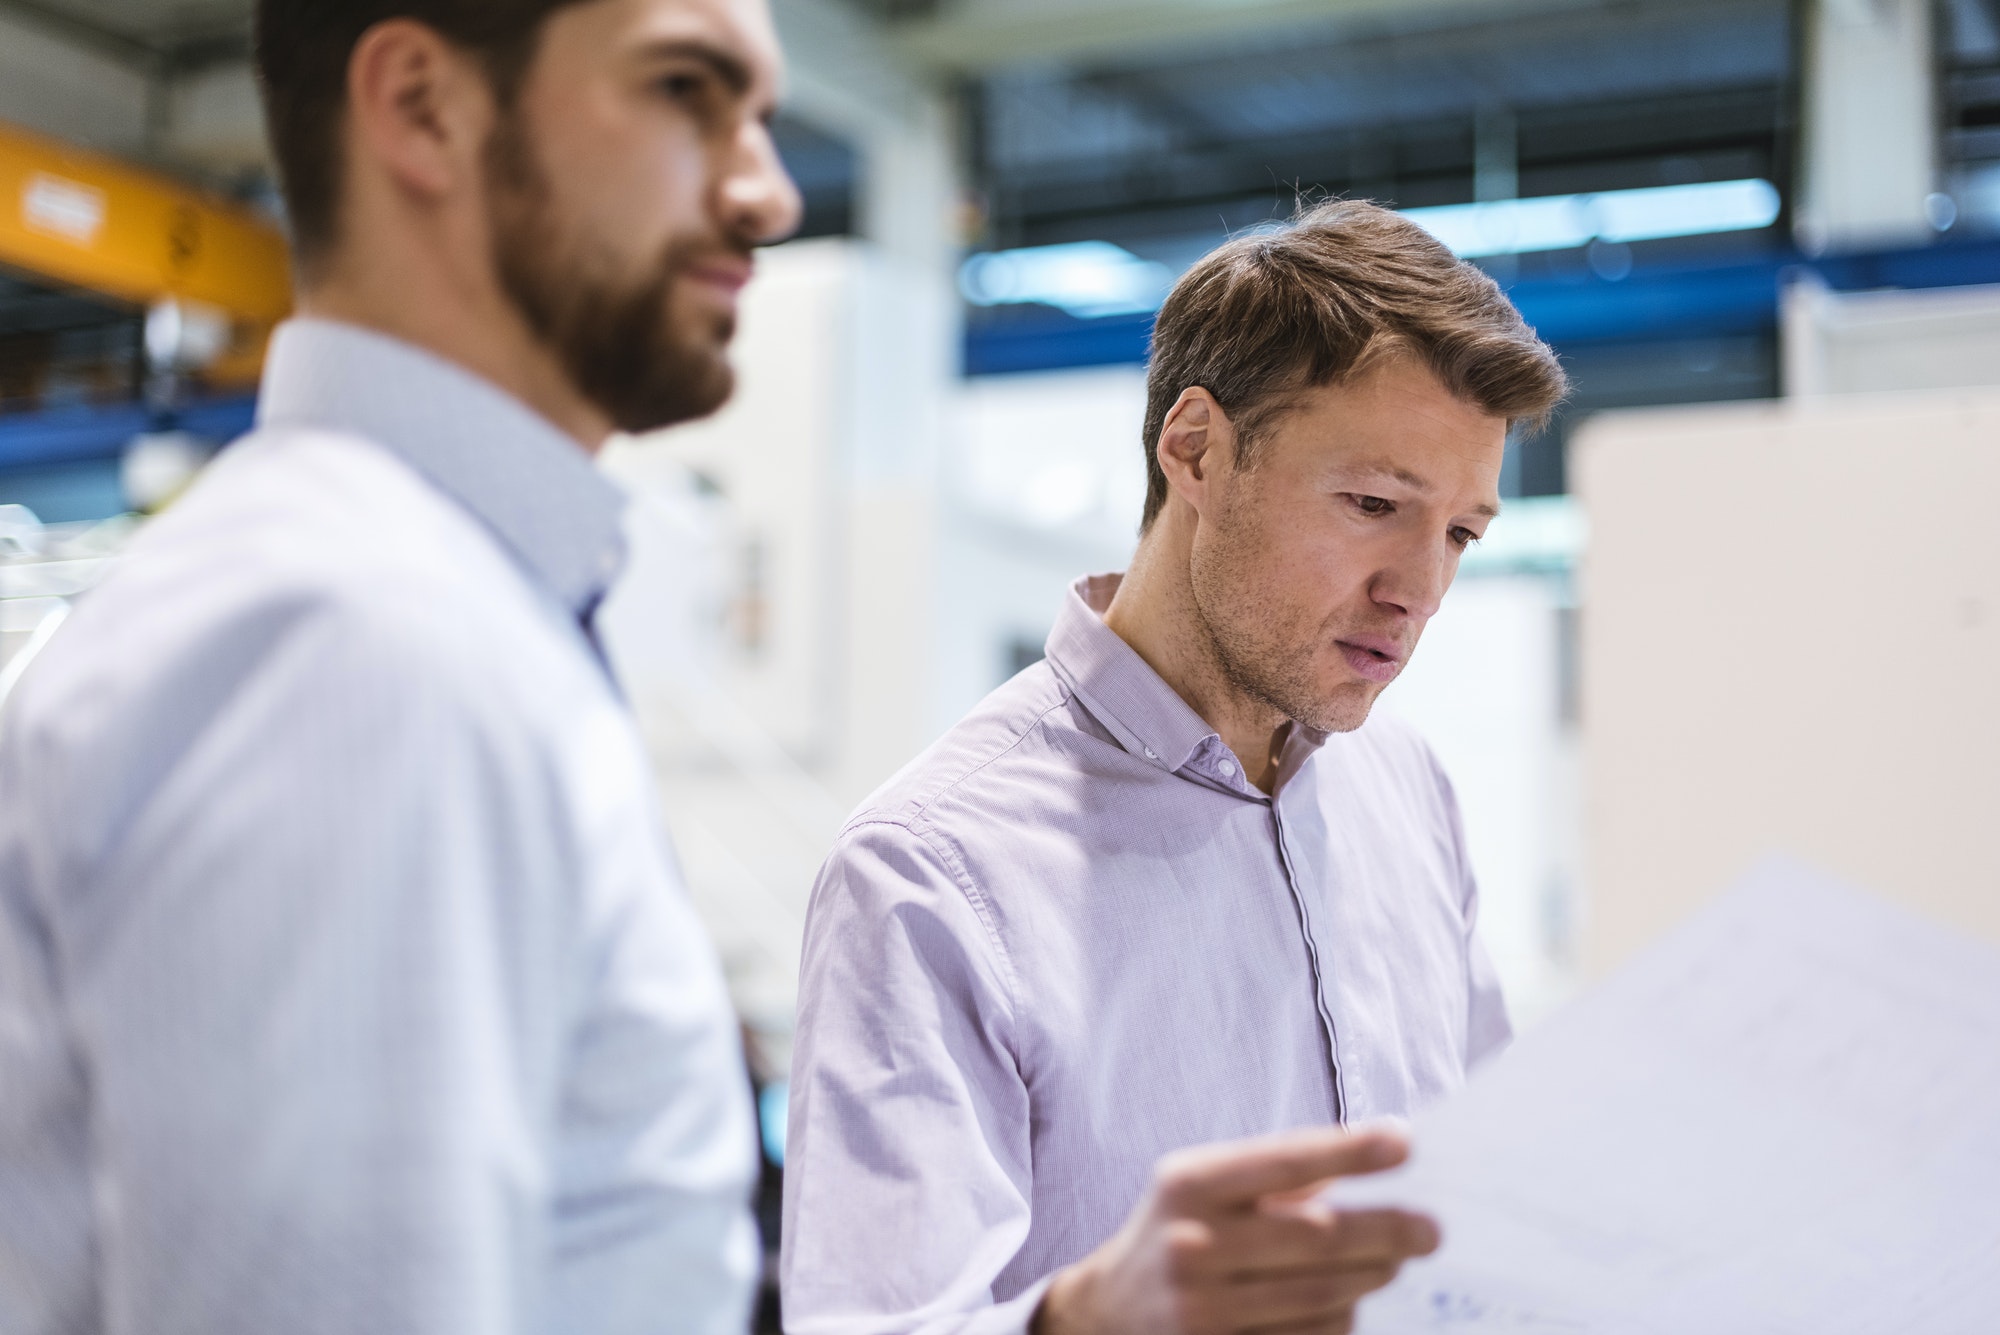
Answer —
(445, 310)
(1154, 611)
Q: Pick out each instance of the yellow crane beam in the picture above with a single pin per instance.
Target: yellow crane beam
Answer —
(82, 219)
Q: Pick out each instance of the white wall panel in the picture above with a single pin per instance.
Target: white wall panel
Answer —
(1791, 640)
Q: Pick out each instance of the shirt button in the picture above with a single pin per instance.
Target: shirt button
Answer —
(1150, 755)
(1228, 768)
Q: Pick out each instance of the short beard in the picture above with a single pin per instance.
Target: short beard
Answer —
(617, 340)
(1235, 615)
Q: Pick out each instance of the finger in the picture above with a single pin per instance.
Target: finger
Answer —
(1312, 1241)
(1385, 1235)
(1342, 1324)
(1296, 1300)
(1235, 1174)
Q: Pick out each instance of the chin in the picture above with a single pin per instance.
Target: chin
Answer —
(1345, 709)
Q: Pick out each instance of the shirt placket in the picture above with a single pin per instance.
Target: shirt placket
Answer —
(1302, 905)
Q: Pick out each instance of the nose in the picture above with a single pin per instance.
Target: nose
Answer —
(759, 200)
(1414, 585)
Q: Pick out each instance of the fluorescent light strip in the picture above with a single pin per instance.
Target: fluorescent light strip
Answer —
(1085, 278)
(1094, 278)
(1560, 222)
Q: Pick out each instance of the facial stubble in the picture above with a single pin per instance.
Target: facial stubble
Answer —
(1249, 634)
(617, 337)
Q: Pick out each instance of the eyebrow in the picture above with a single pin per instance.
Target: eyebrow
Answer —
(726, 65)
(1376, 468)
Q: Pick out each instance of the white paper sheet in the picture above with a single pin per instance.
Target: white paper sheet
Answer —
(1782, 1120)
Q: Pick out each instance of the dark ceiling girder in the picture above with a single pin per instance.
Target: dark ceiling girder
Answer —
(1419, 159)
(149, 58)
(1153, 100)
(58, 22)
(1553, 133)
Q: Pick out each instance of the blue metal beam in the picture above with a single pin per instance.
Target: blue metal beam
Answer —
(78, 434)
(1656, 302)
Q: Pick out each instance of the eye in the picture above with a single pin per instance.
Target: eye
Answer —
(1372, 505)
(698, 90)
(1463, 537)
(683, 84)
(700, 95)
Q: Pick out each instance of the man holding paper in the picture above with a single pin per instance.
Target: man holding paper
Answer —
(1172, 887)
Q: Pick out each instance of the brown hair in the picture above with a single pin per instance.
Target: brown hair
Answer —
(1271, 314)
(302, 51)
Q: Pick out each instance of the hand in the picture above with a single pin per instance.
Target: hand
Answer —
(1231, 1237)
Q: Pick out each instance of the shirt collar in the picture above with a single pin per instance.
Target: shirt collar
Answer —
(1135, 704)
(533, 486)
(1116, 685)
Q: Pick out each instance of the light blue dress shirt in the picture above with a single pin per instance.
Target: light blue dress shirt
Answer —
(1072, 937)
(346, 984)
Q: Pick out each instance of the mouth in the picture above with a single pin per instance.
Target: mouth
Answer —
(1372, 658)
(726, 276)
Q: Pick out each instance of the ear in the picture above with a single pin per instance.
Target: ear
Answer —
(419, 110)
(1197, 443)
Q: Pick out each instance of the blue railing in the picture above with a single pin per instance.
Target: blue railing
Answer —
(83, 433)
(1657, 302)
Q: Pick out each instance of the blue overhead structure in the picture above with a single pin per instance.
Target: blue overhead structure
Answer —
(1677, 301)
(84, 434)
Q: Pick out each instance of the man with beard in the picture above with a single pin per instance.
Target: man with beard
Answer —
(345, 983)
(1172, 886)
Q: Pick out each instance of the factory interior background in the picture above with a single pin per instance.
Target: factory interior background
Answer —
(1741, 597)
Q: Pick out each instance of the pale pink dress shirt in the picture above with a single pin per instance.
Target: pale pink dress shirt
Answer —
(1070, 938)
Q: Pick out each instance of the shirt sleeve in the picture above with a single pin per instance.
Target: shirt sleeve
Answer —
(322, 973)
(907, 1162)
